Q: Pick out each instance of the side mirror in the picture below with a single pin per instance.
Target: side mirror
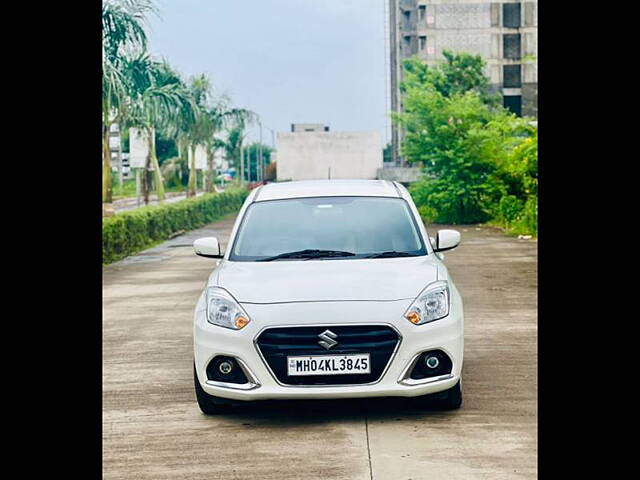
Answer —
(446, 240)
(207, 247)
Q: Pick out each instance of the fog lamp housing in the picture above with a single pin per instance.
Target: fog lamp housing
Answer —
(433, 363)
(225, 369)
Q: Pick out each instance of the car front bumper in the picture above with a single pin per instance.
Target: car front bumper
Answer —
(445, 334)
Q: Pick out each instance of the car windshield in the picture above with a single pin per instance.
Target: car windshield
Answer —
(327, 228)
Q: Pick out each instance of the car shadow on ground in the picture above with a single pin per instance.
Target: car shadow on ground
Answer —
(309, 412)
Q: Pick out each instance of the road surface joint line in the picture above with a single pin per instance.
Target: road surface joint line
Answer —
(366, 428)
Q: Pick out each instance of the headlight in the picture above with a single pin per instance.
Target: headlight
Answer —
(432, 304)
(224, 311)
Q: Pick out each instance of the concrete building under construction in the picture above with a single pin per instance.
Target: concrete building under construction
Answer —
(504, 32)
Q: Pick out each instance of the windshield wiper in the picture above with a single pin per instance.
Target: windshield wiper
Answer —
(309, 253)
(391, 254)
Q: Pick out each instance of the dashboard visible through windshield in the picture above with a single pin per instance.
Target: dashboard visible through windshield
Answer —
(327, 228)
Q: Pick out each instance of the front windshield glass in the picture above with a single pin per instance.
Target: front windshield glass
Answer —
(329, 227)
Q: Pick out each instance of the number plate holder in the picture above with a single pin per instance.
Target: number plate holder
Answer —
(359, 363)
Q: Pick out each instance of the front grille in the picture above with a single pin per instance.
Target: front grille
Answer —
(276, 343)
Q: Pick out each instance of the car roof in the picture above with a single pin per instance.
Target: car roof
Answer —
(327, 188)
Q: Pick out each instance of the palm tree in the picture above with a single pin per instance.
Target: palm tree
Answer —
(201, 130)
(201, 127)
(122, 32)
(236, 121)
(112, 92)
(234, 148)
(222, 117)
(158, 99)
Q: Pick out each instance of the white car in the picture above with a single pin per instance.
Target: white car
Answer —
(328, 289)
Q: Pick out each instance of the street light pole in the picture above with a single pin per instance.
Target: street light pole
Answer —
(261, 158)
(273, 145)
(241, 161)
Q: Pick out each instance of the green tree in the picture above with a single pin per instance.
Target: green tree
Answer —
(208, 120)
(233, 146)
(518, 209)
(122, 32)
(459, 140)
(519, 170)
(158, 99)
(458, 73)
(253, 159)
(175, 171)
(233, 143)
(387, 155)
(222, 117)
(140, 92)
(463, 140)
(201, 129)
(166, 147)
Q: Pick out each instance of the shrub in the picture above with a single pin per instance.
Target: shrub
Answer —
(447, 202)
(509, 210)
(480, 161)
(129, 232)
(427, 214)
(518, 212)
(518, 216)
(527, 223)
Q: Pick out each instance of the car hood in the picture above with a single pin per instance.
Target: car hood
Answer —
(326, 280)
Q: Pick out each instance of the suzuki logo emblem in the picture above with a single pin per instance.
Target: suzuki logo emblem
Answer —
(327, 339)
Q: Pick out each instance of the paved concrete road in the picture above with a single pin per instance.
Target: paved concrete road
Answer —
(153, 429)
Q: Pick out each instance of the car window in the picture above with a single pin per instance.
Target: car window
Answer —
(361, 225)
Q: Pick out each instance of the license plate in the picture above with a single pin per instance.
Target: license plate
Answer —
(328, 364)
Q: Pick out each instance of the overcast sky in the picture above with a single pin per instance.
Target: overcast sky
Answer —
(307, 61)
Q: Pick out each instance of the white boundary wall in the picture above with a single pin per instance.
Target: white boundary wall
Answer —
(201, 157)
(310, 155)
(138, 148)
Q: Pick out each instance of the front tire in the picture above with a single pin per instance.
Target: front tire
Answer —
(450, 399)
(453, 397)
(209, 405)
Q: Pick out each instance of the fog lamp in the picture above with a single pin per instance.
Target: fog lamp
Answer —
(432, 362)
(225, 367)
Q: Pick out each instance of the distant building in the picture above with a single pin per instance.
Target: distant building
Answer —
(315, 155)
(309, 127)
(504, 32)
(119, 159)
(126, 167)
